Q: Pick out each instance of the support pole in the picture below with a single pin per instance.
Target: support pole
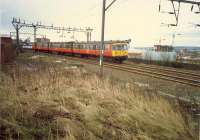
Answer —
(18, 25)
(198, 115)
(35, 34)
(104, 9)
(17, 36)
(88, 36)
(102, 37)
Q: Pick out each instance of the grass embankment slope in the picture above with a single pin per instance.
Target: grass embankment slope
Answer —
(52, 102)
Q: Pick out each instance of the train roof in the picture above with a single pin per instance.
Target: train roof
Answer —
(98, 42)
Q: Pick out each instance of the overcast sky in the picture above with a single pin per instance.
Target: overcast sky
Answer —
(138, 20)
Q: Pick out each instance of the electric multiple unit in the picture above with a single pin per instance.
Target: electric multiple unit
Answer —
(115, 50)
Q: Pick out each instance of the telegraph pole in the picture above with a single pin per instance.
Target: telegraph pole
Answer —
(104, 9)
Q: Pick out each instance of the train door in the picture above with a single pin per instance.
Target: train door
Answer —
(107, 50)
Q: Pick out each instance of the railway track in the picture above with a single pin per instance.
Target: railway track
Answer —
(165, 69)
(182, 77)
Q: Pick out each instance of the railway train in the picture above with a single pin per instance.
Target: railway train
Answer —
(115, 50)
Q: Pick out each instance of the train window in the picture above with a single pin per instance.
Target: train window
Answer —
(70, 45)
(38, 44)
(98, 47)
(119, 47)
(80, 46)
(126, 47)
(57, 45)
(113, 48)
(45, 45)
(91, 47)
(87, 47)
(54, 45)
(83, 46)
(66, 45)
(76, 46)
(94, 47)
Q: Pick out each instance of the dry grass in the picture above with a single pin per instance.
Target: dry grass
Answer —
(47, 102)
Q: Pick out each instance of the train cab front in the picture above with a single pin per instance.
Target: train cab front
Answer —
(120, 52)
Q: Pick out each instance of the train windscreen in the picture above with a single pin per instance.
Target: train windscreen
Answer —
(120, 47)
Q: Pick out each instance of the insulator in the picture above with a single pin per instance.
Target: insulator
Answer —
(192, 8)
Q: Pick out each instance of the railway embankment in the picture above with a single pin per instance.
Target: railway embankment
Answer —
(44, 97)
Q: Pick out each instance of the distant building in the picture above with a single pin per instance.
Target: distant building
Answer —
(163, 48)
(7, 51)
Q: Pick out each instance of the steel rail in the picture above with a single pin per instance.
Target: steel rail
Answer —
(164, 69)
(167, 71)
